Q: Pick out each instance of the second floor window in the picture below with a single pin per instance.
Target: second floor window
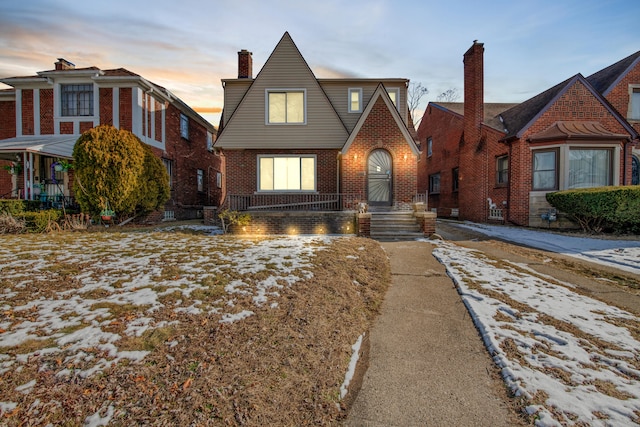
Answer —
(355, 100)
(285, 107)
(77, 100)
(184, 126)
(502, 170)
(634, 104)
(429, 147)
(394, 94)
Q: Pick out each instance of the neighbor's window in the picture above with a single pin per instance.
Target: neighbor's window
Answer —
(590, 168)
(168, 164)
(285, 106)
(434, 183)
(634, 104)
(77, 100)
(209, 141)
(355, 100)
(287, 173)
(455, 179)
(502, 170)
(200, 177)
(545, 170)
(184, 126)
(429, 147)
(394, 94)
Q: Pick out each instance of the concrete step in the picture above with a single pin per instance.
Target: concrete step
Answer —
(394, 225)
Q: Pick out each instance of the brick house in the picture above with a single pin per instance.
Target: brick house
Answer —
(487, 162)
(294, 142)
(42, 116)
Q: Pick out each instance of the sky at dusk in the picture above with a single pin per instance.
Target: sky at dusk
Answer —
(188, 46)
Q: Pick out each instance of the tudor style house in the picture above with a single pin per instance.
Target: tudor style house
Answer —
(292, 141)
(487, 162)
(42, 116)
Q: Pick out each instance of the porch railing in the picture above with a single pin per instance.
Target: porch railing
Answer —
(294, 202)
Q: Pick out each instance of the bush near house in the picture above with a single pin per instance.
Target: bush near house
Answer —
(611, 209)
(115, 170)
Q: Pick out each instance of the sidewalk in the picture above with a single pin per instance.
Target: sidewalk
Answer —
(428, 365)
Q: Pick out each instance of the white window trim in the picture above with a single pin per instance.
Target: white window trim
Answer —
(271, 156)
(396, 90)
(288, 89)
(359, 91)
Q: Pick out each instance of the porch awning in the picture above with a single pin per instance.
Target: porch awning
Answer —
(577, 130)
(48, 145)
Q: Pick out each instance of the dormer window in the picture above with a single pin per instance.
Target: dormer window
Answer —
(77, 100)
(394, 94)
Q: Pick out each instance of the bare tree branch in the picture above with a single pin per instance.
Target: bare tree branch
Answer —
(450, 95)
(415, 93)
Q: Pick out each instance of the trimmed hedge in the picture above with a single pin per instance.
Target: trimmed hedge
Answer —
(37, 222)
(12, 207)
(609, 209)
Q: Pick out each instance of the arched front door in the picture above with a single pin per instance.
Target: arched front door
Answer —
(380, 168)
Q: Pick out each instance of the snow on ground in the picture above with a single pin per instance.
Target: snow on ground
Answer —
(65, 292)
(622, 254)
(576, 359)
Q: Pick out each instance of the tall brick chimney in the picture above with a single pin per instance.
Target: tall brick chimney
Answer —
(63, 64)
(473, 91)
(245, 64)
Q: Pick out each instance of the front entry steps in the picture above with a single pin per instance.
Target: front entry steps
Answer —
(394, 225)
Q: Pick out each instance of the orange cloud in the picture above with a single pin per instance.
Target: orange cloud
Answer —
(208, 109)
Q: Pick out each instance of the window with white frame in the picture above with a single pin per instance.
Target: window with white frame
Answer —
(434, 183)
(286, 173)
(545, 170)
(502, 170)
(634, 103)
(590, 168)
(394, 94)
(200, 180)
(168, 164)
(285, 106)
(184, 126)
(77, 100)
(355, 100)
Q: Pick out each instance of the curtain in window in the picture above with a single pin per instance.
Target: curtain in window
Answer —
(589, 168)
(287, 173)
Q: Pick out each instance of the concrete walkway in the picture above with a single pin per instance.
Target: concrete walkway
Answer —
(427, 364)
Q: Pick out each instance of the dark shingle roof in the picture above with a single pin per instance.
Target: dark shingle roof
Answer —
(516, 118)
(604, 80)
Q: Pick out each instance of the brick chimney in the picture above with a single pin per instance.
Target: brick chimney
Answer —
(63, 64)
(473, 91)
(245, 64)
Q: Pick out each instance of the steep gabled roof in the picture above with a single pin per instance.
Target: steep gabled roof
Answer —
(607, 78)
(381, 93)
(285, 68)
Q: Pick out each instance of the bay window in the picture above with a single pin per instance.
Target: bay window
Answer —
(286, 173)
(590, 168)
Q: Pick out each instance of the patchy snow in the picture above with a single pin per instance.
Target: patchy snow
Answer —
(106, 279)
(622, 254)
(575, 358)
(351, 370)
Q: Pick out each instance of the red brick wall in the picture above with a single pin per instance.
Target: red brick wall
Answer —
(380, 131)
(46, 112)
(126, 109)
(188, 156)
(576, 104)
(106, 106)
(27, 112)
(445, 130)
(85, 126)
(66, 128)
(619, 95)
(7, 119)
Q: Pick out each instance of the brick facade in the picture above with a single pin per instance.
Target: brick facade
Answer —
(46, 112)
(27, 112)
(7, 119)
(380, 131)
(106, 105)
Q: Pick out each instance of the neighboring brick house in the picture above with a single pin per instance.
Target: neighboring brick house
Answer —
(497, 161)
(43, 115)
(293, 141)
